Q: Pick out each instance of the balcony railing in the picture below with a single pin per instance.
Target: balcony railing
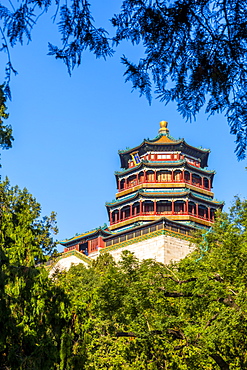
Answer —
(136, 183)
(158, 213)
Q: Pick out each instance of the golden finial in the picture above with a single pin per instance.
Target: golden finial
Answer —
(163, 128)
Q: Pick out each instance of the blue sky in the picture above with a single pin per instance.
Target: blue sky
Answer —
(68, 130)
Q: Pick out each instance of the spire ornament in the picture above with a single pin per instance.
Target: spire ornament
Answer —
(163, 128)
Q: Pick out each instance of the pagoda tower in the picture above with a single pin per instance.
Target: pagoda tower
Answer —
(164, 192)
(163, 177)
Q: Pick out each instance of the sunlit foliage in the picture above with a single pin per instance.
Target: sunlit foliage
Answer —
(194, 51)
(130, 315)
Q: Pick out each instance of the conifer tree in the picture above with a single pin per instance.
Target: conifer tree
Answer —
(6, 137)
(32, 308)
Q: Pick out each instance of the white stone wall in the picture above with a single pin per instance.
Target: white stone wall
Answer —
(162, 248)
(65, 263)
(176, 249)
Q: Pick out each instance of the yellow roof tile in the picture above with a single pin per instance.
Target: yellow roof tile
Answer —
(164, 139)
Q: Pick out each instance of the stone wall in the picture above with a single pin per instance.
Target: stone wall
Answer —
(65, 262)
(162, 248)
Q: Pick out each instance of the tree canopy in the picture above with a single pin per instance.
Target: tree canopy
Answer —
(31, 306)
(145, 315)
(6, 137)
(194, 51)
(131, 315)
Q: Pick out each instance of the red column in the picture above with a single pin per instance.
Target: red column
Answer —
(197, 213)
(209, 184)
(172, 207)
(137, 179)
(190, 178)
(101, 243)
(155, 207)
(187, 207)
(131, 211)
(209, 213)
(143, 208)
(110, 217)
(155, 176)
(172, 176)
(140, 207)
(145, 176)
(89, 246)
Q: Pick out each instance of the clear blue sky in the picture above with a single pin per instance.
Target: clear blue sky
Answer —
(68, 130)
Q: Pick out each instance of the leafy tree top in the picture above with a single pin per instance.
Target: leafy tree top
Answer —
(145, 315)
(6, 137)
(25, 237)
(194, 51)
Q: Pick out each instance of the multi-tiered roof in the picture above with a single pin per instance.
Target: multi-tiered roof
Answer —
(164, 190)
(163, 177)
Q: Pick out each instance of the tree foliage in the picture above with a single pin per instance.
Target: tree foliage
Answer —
(194, 51)
(130, 315)
(6, 137)
(144, 315)
(31, 306)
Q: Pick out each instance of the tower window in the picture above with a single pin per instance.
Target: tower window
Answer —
(83, 248)
(163, 156)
